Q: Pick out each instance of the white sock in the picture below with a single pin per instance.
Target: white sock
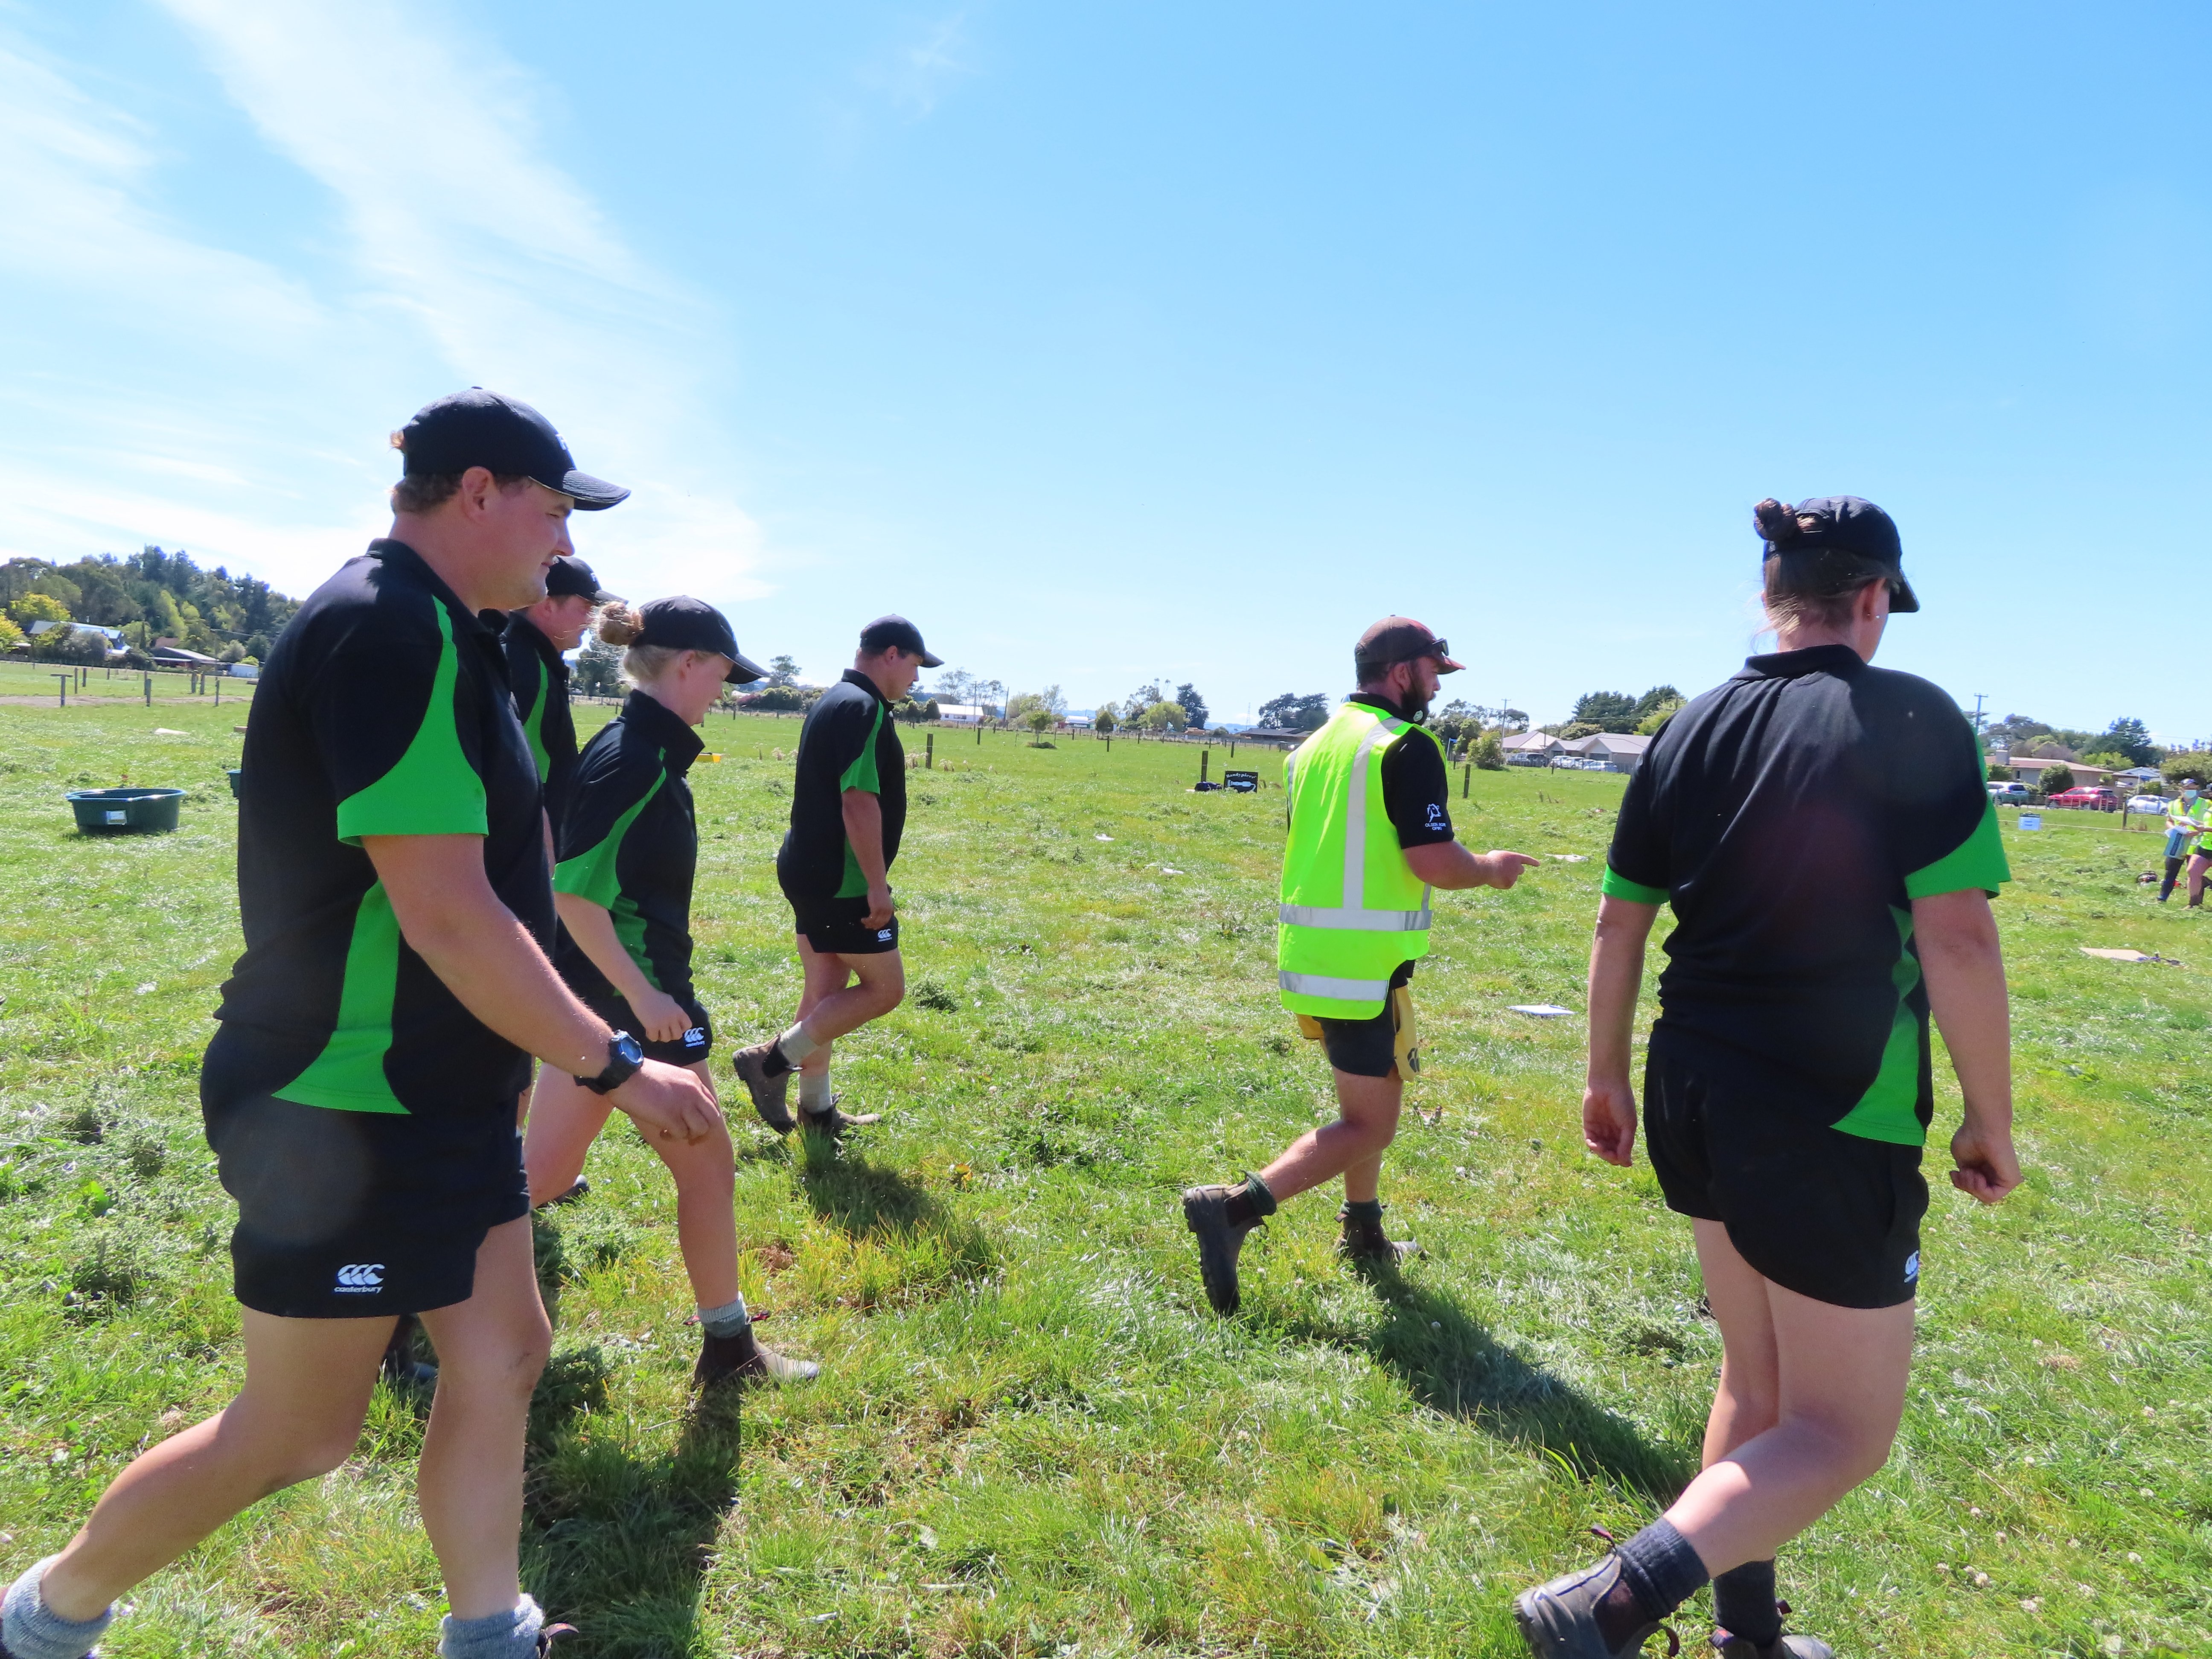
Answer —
(814, 1091)
(795, 1045)
(727, 1320)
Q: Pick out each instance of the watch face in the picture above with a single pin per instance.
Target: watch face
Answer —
(630, 1050)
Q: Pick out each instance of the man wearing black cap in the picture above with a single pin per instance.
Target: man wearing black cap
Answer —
(848, 812)
(359, 1093)
(1371, 833)
(536, 640)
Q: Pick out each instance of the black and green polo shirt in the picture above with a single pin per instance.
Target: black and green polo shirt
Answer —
(629, 843)
(383, 711)
(849, 741)
(538, 677)
(1791, 816)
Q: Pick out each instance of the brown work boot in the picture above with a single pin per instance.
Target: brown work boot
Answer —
(740, 1359)
(835, 1121)
(1366, 1243)
(1205, 1212)
(767, 1093)
(1559, 1620)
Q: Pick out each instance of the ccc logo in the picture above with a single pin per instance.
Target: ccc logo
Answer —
(361, 1276)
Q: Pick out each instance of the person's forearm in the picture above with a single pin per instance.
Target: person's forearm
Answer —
(1616, 975)
(593, 929)
(864, 833)
(1963, 966)
(1448, 867)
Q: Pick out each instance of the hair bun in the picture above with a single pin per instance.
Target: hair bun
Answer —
(1777, 522)
(619, 623)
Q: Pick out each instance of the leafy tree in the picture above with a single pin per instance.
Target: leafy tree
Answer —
(1102, 718)
(1293, 712)
(1658, 717)
(71, 645)
(2105, 761)
(1457, 721)
(1659, 696)
(1574, 729)
(778, 699)
(232, 653)
(37, 607)
(2174, 767)
(1606, 711)
(956, 686)
(1050, 701)
(258, 647)
(1165, 716)
(2130, 738)
(1193, 704)
(2054, 780)
(1488, 754)
(1039, 720)
(597, 672)
(782, 671)
(10, 635)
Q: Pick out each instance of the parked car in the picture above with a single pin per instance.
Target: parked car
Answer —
(2011, 794)
(2153, 805)
(2090, 797)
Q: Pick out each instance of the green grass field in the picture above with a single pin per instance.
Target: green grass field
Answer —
(1031, 1437)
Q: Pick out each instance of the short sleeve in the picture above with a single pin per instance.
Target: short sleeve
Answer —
(1417, 790)
(384, 708)
(1942, 826)
(602, 807)
(856, 749)
(1637, 864)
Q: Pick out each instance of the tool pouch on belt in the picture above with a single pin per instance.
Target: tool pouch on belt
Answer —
(1406, 1043)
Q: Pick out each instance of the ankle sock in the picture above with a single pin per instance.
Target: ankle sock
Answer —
(728, 1320)
(31, 1630)
(509, 1635)
(795, 1046)
(814, 1091)
(1744, 1603)
(1362, 1212)
(1660, 1569)
(1250, 1203)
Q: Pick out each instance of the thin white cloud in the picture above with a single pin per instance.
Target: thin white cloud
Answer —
(249, 423)
(917, 75)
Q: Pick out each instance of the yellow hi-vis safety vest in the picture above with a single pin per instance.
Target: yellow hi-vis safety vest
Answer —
(1352, 910)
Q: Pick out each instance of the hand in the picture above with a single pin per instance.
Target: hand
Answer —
(1987, 1168)
(665, 1019)
(1610, 1119)
(670, 1102)
(1505, 868)
(880, 906)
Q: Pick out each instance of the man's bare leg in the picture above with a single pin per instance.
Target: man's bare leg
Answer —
(1367, 1110)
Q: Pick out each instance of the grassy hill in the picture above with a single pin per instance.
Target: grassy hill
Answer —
(1031, 1439)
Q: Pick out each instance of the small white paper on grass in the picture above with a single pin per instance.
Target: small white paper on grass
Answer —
(2127, 956)
(1102, 838)
(1540, 1010)
(1572, 858)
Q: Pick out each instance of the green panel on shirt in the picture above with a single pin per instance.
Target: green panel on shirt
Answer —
(1890, 1109)
(629, 928)
(348, 1076)
(591, 874)
(862, 773)
(1616, 885)
(433, 790)
(533, 726)
(1977, 861)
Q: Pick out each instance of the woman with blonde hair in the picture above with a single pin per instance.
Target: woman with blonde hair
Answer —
(626, 848)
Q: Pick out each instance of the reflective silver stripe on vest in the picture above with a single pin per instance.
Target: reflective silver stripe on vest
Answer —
(1364, 921)
(1339, 990)
(1355, 822)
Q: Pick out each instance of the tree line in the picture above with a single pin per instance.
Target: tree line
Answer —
(148, 595)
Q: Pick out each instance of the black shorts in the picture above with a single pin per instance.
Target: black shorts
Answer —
(1830, 1216)
(1366, 1048)
(694, 1045)
(350, 1215)
(833, 927)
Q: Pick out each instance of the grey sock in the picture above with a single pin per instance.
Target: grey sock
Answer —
(1744, 1603)
(1661, 1570)
(29, 1629)
(509, 1635)
(728, 1320)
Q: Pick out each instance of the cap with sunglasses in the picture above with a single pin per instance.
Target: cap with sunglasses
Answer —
(1842, 541)
(683, 624)
(1395, 639)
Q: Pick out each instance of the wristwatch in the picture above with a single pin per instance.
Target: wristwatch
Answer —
(624, 1055)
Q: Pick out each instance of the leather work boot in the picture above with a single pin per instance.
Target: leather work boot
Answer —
(767, 1093)
(740, 1360)
(1205, 1212)
(1559, 1620)
(835, 1121)
(545, 1637)
(1782, 1647)
(1366, 1242)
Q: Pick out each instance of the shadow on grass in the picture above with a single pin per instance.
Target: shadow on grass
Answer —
(864, 1199)
(615, 1543)
(1451, 1363)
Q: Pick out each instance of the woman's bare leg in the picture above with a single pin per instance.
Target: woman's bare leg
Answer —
(490, 1351)
(706, 1217)
(299, 1416)
(565, 1118)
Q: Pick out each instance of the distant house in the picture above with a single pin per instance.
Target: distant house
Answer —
(1531, 748)
(962, 713)
(1622, 751)
(168, 650)
(1282, 735)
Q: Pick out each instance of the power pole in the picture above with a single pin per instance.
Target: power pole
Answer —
(1980, 697)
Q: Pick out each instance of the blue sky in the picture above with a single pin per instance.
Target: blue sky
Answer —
(1120, 342)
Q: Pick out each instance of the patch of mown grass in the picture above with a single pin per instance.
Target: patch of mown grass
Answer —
(1030, 1437)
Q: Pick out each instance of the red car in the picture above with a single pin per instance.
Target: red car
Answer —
(2092, 796)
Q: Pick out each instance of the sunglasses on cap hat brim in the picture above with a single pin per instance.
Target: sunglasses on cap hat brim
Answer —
(1438, 651)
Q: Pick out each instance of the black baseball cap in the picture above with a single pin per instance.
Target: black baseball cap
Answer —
(683, 624)
(477, 428)
(1395, 639)
(881, 635)
(571, 575)
(1842, 539)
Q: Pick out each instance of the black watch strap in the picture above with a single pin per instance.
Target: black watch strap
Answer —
(624, 1055)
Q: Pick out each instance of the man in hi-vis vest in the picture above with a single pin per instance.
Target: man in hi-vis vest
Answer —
(1371, 833)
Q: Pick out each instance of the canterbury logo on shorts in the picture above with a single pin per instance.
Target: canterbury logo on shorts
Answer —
(1912, 1266)
(359, 1278)
(694, 1037)
(882, 933)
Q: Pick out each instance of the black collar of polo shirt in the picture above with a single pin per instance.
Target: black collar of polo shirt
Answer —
(539, 642)
(679, 743)
(854, 677)
(396, 552)
(1374, 700)
(1812, 660)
